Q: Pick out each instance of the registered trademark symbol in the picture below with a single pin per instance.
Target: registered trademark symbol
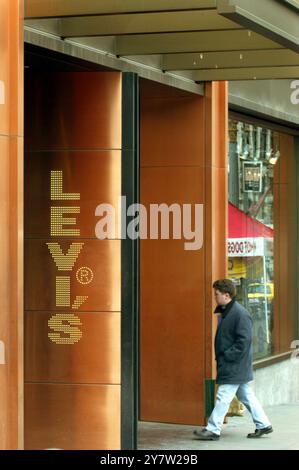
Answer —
(84, 275)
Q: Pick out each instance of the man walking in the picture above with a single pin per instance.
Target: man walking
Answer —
(233, 350)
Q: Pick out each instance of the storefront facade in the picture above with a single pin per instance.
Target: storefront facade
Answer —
(118, 330)
(263, 123)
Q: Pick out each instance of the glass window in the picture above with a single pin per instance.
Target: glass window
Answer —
(253, 154)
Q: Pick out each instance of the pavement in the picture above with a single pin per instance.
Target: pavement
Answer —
(284, 419)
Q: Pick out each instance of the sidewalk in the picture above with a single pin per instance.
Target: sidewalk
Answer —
(284, 418)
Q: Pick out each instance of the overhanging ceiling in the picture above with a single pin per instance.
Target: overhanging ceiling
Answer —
(199, 40)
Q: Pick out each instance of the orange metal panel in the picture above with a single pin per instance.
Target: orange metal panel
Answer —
(216, 205)
(181, 185)
(94, 359)
(11, 293)
(176, 141)
(172, 279)
(177, 323)
(16, 67)
(7, 333)
(72, 280)
(72, 417)
(95, 175)
(4, 68)
(101, 256)
(285, 246)
(11, 224)
(172, 326)
(11, 68)
(216, 124)
(73, 111)
(185, 185)
(286, 164)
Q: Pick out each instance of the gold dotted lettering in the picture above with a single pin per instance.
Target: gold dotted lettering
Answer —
(80, 299)
(65, 262)
(67, 324)
(57, 222)
(57, 193)
(63, 291)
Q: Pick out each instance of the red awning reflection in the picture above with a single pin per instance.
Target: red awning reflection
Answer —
(242, 226)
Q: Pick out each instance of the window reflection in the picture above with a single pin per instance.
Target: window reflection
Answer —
(253, 153)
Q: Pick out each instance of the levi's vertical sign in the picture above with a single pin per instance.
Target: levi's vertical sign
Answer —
(65, 327)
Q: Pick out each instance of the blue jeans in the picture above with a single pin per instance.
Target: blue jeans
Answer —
(246, 395)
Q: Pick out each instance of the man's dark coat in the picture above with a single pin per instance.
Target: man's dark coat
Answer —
(233, 345)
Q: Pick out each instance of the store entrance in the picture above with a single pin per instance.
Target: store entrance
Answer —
(172, 288)
(80, 334)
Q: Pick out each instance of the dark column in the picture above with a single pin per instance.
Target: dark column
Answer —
(129, 265)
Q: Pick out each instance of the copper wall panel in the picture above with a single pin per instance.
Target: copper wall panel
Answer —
(172, 279)
(185, 185)
(216, 124)
(285, 246)
(183, 160)
(16, 69)
(172, 350)
(84, 110)
(72, 417)
(94, 359)
(153, 90)
(4, 69)
(216, 206)
(95, 175)
(157, 121)
(101, 256)
(7, 334)
(72, 318)
(11, 224)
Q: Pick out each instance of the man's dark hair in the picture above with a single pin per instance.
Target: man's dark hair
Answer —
(225, 286)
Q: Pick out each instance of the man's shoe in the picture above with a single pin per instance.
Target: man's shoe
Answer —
(260, 432)
(205, 435)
